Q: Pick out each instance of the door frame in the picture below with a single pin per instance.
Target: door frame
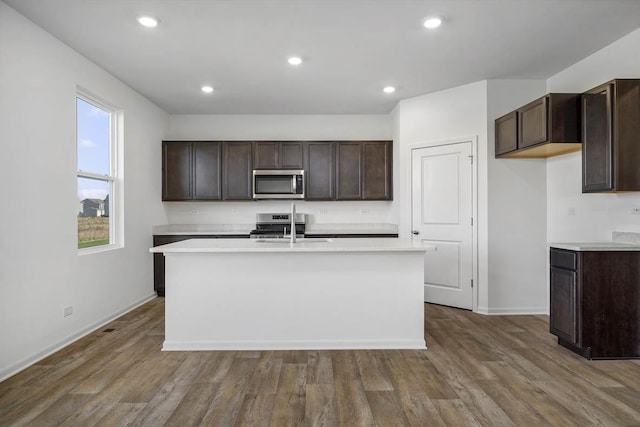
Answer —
(474, 202)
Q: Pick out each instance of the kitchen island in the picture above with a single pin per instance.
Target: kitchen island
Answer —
(248, 294)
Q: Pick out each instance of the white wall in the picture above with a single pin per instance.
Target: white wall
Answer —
(596, 215)
(511, 194)
(433, 119)
(280, 128)
(517, 254)
(40, 269)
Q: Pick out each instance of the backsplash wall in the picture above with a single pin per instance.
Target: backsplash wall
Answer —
(343, 212)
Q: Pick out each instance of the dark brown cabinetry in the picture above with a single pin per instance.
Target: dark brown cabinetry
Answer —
(546, 127)
(611, 137)
(236, 170)
(507, 133)
(364, 170)
(595, 302)
(222, 170)
(190, 170)
(320, 170)
(176, 170)
(277, 155)
(206, 171)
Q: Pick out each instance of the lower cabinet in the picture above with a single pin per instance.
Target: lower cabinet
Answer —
(158, 259)
(595, 302)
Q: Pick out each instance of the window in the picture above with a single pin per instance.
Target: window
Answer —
(96, 147)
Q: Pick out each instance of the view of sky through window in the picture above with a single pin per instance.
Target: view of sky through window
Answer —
(93, 133)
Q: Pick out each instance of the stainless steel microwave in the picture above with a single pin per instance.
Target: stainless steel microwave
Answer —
(278, 184)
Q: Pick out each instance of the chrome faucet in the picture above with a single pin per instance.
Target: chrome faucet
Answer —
(293, 222)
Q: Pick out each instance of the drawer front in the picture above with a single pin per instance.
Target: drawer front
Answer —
(564, 259)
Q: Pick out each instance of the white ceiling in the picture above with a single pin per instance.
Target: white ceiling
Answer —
(351, 48)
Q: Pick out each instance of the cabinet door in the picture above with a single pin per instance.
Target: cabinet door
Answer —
(206, 171)
(290, 155)
(348, 170)
(376, 170)
(265, 155)
(507, 133)
(563, 319)
(319, 170)
(176, 170)
(532, 123)
(597, 140)
(236, 171)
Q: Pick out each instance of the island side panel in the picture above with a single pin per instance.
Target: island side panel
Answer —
(310, 300)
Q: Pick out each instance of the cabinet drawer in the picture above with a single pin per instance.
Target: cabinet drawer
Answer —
(564, 259)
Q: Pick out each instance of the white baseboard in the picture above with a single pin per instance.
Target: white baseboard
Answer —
(294, 345)
(34, 358)
(504, 311)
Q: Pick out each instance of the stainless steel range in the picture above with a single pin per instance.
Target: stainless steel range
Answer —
(278, 225)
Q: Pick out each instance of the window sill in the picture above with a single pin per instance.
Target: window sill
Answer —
(98, 249)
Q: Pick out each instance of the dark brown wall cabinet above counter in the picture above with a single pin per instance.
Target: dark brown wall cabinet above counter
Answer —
(364, 170)
(222, 170)
(190, 170)
(277, 155)
(206, 170)
(548, 126)
(611, 137)
(595, 302)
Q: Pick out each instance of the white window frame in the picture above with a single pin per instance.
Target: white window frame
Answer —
(114, 178)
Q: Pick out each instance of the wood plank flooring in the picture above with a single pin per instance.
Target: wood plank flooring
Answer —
(478, 370)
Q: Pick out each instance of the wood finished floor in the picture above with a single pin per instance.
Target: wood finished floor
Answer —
(478, 370)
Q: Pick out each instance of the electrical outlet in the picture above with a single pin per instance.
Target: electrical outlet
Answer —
(322, 211)
(235, 211)
(68, 311)
(194, 211)
(571, 211)
(635, 211)
(364, 211)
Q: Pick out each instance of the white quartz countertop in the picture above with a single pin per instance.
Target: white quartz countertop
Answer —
(302, 245)
(596, 246)
(620, 241)
(351, 229)
(203, 229)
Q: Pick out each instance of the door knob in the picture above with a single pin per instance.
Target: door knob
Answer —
(415, 232)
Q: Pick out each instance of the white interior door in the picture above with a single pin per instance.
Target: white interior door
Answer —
(442, 216)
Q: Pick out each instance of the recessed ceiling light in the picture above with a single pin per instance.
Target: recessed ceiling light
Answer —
(207, 89)
(389, 89)
(148, 21)
(432, 23)
(295, 60)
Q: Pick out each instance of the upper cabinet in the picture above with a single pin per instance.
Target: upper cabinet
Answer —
(191, 170)
(364, 170)
(277, 155)
(206, 170)
(548, 126)
(320, 170)
(237, 170)
(334, 170)
(176, 170)
(611, 137)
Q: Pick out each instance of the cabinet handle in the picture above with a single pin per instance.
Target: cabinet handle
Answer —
(415, 232)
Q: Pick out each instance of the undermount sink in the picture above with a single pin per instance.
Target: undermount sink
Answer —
(298, 240)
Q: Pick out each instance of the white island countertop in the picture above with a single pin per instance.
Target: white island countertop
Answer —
(302, 245)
